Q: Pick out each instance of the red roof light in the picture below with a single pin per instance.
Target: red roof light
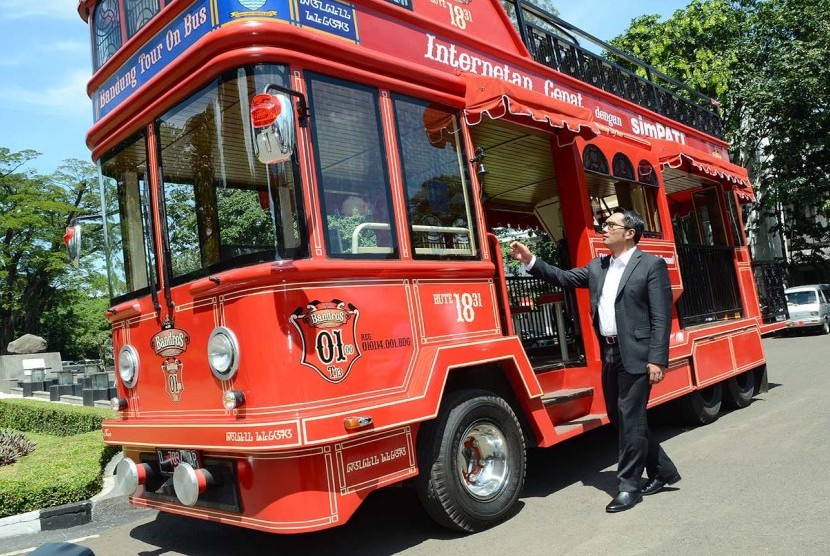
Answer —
(264, 110)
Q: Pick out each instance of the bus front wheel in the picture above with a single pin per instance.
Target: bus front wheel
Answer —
(701, 407)
(472, 462)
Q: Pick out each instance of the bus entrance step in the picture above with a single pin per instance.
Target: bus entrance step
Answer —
(563, 396)
(567, 405)
(576, 426)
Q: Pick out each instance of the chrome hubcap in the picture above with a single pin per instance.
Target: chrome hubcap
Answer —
(482, 460)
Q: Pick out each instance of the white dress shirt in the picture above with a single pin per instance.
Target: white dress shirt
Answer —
(607, 316)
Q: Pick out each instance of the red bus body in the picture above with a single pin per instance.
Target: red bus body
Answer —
(342, 361)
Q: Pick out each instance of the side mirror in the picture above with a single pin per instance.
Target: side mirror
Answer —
(272, 116)
(72, 239)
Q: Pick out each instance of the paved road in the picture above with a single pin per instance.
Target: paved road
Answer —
(757, 481)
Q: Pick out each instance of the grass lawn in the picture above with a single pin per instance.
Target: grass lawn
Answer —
(61, 469)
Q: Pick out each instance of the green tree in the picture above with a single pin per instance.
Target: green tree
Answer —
(695, 45)
(782, 87)
(768, 62)
(34, 211)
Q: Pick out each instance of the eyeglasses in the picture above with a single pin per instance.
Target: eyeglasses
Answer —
(613, 226)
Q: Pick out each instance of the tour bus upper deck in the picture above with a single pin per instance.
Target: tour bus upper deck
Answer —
(349, 161)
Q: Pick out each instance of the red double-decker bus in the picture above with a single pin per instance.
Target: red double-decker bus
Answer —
(305, 204)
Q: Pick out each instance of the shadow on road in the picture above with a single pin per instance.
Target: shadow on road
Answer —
(392, 520)
(388, 522)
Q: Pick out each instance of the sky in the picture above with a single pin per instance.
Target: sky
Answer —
(46, 64)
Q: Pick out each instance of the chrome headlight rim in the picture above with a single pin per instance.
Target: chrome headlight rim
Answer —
(129, 352)
(234, 351)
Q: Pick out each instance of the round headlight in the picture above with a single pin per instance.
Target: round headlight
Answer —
(223, 353)
(128, 365)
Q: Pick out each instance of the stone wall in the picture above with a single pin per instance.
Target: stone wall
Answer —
(11, 367)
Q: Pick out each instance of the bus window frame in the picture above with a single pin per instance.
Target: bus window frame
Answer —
(370, 253)
(250, 259)
(473, 253)
(97, 60)
(650, 191)
(151, 260)
(128, 10)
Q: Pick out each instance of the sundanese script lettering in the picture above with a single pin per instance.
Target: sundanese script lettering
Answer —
(332, 9)
(259, 436)
(371, 461)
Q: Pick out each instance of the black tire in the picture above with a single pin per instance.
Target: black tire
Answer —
(701, 407)
(825, 328)
(739, 390)
(452, 496)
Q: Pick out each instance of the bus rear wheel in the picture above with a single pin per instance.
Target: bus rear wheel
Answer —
(701, 407)
(472, 462)
(739, 390)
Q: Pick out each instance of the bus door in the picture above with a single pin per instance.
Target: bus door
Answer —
(520, 200)
(705, 251)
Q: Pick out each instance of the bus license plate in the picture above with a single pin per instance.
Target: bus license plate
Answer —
(170, 458)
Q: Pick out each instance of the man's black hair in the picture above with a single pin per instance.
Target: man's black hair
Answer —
(633, 221)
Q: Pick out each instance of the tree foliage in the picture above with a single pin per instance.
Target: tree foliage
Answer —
(768, 62)
(694, 45)
(34, 278)
(783, 91)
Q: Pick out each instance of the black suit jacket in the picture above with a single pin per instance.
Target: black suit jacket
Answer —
(642, 307)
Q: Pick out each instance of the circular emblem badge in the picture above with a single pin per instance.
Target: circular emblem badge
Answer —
(252, 4)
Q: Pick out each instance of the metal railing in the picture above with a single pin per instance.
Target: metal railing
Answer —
(534, 321)
(557, 46)
(769, 281)
(710, 285)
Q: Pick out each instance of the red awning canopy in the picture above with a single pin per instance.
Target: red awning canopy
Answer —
(497, 98)
(674, 155)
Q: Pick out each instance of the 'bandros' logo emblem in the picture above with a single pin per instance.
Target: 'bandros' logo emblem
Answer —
(329, 332)
(170, 343)
(252, 4)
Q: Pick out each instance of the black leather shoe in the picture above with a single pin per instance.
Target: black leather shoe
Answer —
(624, 501)
(655, 485)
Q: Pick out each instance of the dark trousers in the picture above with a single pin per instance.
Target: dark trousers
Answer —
(626, 397)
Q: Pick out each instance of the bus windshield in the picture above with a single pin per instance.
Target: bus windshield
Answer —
(130, 258)
(223, 207)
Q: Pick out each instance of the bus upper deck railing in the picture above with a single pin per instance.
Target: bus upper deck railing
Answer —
(769, 281)
(557, 46)
(710, 285)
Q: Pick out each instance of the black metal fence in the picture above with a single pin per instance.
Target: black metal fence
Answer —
(533, 321)
(710, 285)
(562, 52)
(769, 281)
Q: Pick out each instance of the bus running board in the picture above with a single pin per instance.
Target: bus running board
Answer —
(569, 404)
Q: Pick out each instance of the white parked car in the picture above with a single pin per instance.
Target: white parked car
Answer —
(809, 307)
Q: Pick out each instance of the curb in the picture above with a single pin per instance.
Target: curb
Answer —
(62, 517)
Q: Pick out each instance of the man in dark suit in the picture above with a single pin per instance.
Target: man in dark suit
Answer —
(631, 304)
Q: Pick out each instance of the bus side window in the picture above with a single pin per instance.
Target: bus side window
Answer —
(436, 186)
(351, 169)
(620, 186)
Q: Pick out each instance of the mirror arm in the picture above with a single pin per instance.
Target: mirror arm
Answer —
(302, 105)
(86, 218)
